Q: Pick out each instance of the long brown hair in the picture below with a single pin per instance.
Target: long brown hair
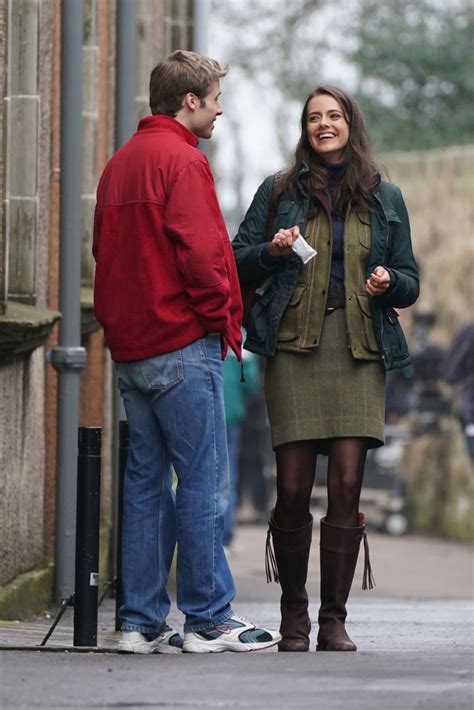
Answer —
(360, 175)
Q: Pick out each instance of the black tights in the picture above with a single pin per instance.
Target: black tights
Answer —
(296, 465)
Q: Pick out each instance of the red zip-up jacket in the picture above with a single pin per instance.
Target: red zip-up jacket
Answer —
(165, 270)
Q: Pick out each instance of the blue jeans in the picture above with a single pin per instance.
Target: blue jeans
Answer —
(175, 411)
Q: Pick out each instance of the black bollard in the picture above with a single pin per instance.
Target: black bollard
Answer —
(124, 446)
(87, 537)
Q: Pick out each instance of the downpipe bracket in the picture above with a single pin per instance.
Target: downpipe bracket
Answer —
(67, 358)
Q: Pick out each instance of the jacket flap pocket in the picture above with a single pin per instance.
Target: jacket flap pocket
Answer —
(290, 323)
(297, 295)
(364, 305)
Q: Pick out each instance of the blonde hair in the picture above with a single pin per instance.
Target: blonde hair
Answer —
(182, 72)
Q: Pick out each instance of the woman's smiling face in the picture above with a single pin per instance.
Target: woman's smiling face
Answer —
(327, 127)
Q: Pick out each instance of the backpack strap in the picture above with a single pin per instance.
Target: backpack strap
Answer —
(276, 188)
(250, 291)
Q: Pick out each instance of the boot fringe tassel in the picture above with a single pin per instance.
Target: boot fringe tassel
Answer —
(368, 581)
(270, 560)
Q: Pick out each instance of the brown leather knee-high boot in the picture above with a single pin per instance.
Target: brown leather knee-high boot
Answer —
(339, 549)
(290, 568)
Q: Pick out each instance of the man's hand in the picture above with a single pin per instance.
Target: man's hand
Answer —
(282, 241)
(378, 282)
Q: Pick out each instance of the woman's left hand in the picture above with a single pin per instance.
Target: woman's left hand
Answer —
(378, 282)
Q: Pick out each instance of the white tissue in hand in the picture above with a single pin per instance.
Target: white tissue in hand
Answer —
(303, 249)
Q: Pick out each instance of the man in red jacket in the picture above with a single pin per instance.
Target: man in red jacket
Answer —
(167, 295)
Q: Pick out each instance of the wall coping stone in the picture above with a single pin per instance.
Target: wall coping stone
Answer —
(24, 328)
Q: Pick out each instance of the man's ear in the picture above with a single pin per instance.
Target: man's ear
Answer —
(190, 101)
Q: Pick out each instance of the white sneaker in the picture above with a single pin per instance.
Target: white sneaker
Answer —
(168, 641)
(234, 634)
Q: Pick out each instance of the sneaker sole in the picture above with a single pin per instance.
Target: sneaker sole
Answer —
(145, 649)
(217, 646)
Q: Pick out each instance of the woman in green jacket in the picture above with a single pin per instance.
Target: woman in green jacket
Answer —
(329, 331)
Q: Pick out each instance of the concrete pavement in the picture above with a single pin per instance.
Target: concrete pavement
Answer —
(414, 633)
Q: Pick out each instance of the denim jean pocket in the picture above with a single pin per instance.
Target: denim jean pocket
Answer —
(159, 373)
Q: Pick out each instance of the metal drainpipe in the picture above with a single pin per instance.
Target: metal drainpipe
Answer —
(69, 357)
(200, 26)
(125, 124)
(200, 41)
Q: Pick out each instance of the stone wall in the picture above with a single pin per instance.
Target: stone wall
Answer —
(22, 456)
(438, 189)
(22, 380)
(28, 385)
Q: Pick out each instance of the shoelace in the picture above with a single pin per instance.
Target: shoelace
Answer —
(243, 621)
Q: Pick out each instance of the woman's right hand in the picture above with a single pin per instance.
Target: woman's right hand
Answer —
(282, 241)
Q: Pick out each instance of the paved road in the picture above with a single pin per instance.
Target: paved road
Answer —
(434, 680)
(415, 637)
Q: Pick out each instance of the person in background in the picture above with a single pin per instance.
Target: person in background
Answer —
(256, 461)
(236, 395)
(328, 327)
(167, 294)
(458, 367)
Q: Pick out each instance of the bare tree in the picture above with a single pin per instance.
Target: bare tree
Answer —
(272, 43)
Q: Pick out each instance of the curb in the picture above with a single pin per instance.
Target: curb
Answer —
(64, 649)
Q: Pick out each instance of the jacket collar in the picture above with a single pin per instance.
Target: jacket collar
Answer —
(165, 124)
(304, 170)
(380, 210)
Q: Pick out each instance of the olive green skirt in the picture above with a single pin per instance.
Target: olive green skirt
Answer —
(325, 393)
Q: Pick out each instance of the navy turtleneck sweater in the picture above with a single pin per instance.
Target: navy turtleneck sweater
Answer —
(335, 171)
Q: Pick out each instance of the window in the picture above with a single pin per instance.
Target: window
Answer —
(21, 117)
(178, 25)
(89, 120)
(162, 27)
(25, 323)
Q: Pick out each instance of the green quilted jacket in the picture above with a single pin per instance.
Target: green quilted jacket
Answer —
(275, 278)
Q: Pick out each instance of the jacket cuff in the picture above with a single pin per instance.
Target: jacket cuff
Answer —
(393, 281)
(266, 260)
